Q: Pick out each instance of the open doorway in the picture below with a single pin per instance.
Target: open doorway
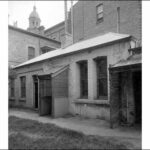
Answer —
(45, 95)
(35, 83)
(137, 89)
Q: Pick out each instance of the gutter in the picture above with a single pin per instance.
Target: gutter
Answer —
(33, 34)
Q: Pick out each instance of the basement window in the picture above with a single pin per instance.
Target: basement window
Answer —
(83, 79)
(102, 87)
(99, 13)
(23, 86)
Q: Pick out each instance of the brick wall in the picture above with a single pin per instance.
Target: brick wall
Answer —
(85, 25)
(114, 99)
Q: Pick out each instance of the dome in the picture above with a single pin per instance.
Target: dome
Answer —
(34, 14)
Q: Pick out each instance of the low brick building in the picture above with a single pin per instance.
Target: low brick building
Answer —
(71, 80)
(94, 77)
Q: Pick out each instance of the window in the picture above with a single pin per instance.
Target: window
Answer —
(46, 49)
(101, 66)
(31, 52)
(12, 87)
(83, 79)
(99, 13)
(23, 86)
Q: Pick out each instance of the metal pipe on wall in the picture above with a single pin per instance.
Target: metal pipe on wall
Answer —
(66, 16)
(72, 22)
(118, 19)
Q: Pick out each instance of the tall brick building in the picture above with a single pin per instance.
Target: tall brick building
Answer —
(88, 24)
(92, 18)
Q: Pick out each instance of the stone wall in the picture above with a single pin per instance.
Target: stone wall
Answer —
(19, 43)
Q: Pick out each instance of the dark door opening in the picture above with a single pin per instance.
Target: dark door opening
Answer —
(36, 101)
(45, 95)
(137, 80)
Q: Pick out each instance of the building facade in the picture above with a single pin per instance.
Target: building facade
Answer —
(24, 45)
(92, 18)
(82, 88)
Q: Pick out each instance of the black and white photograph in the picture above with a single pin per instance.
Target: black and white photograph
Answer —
(75, 74)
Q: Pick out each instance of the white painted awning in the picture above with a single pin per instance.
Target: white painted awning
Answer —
(77, 47)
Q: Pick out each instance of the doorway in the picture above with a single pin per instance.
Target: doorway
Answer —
(45, 95)
(137, 89)
(36, 101)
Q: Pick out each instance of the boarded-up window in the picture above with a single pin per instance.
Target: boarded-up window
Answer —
(31, 52)
(23, 86)
(99, 13)
(101, 66)
(83, 79)
(12, 87)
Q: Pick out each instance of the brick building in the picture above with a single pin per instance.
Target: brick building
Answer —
(94, 77)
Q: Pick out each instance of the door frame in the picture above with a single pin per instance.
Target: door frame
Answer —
(45, 76)
(34, 91)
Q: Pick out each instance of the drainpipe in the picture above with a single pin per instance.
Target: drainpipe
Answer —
(66, 16)
(72, 29)
(118, 19)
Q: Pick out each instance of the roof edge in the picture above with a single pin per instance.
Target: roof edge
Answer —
(54, 26)
(31, 33)
(101, 45)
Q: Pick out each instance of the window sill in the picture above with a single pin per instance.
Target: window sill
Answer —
(22, 99)
(95, 102)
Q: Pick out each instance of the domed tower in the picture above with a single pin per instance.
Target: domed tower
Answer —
(34, 21)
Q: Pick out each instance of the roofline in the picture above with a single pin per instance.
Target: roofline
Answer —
(125, 68)
(90, 48)
(54, 26)
(31, 33)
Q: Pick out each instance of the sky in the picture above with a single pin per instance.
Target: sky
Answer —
(50, 12)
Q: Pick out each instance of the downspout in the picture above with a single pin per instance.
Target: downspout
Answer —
(118, 19)
(83, 17)
(72, 22)
(66, 16)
